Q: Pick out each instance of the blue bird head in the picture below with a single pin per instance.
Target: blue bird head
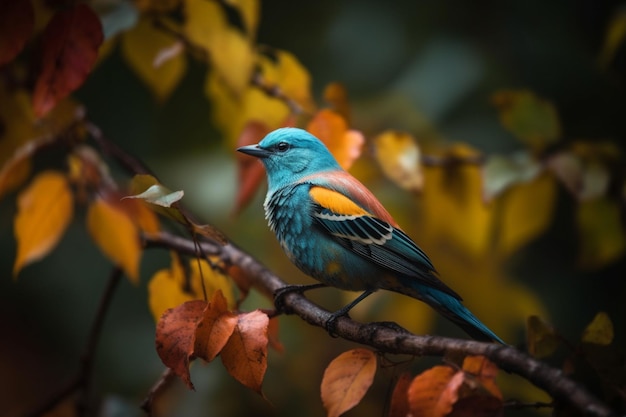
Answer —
(290, 154)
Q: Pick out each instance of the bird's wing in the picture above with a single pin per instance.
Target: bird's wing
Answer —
(371, 235)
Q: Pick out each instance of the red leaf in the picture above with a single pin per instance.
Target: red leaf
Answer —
(70, 49)
(176, 336)
(215, 329)
(17, 19)
(250, 170)
(399, 406)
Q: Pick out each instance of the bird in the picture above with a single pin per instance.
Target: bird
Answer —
(336, 231)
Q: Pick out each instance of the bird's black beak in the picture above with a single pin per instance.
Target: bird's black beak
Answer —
(254, 150)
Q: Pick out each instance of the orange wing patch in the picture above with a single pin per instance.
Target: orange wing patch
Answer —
(335, 202)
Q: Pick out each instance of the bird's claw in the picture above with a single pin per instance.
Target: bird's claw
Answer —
(279, 294)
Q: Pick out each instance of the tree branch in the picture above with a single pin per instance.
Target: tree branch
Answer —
(398, 341)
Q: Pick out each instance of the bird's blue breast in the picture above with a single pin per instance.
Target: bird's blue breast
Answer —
(289, 212)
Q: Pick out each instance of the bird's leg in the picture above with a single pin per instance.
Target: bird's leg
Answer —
(279, 294)
(331, 323)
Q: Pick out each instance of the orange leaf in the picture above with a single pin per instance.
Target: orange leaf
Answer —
(44, 211)
(70, 50)
(249, 170)
(333, 130)
(434, 392)
(116, 236)
(336, 95)
(399, 406)
(346, 380)
(14, 172)
(176, 336)
(215, 329)
(17, 19)
(245, 354)
(485, 372)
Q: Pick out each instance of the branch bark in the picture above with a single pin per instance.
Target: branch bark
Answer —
(394, 340)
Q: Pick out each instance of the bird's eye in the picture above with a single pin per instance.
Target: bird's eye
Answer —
(282, 146)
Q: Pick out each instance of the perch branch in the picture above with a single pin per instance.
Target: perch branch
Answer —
(389, 340)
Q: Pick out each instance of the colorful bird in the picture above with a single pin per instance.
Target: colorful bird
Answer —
(334, 229)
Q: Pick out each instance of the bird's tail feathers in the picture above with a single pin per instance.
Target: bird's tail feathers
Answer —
(455, 311)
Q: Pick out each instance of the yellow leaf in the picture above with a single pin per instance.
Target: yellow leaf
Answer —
(249, 11)
(601, 232)
(44, 210)
(141, 46)
(599, 331)
(454, 211)
(116, 235)
(399, 156)
(167, 288)
(232, 113)
(541, 339)
(289, 75)
(230, 51)
(214, 280)
(614, 37)
(346, 380)
(533, 120)
(525, 211)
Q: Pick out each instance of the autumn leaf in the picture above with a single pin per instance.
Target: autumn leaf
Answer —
(273, 335)
(434, 392)
(69, 52)
(399, 403)
(484, 371)
(176, 337)
(172, 286)
(250, 172)
(116, 235)
(283, 71)
(44, 211)
(601, 231)
(148, 188)
(336, 95)
(531, 119)
(230, 51)
(215, 328)
(346, 380)
(249, 11)
(613, 38)
(541, 338)
(500, 172)
(399, 156)
(332, 129)
(453, 204)
(17, 19)
(142, 46)
(245, 353)
(599, 331)
(525, 211)
(169, 288)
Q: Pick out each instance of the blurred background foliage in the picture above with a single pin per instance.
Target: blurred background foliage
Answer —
(429, 68)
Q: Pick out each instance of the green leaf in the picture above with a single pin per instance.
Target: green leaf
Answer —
(599, 331)
(533, 120)
(159, 195)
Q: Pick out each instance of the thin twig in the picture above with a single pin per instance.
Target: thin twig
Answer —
(164, 380)
(81, 382)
